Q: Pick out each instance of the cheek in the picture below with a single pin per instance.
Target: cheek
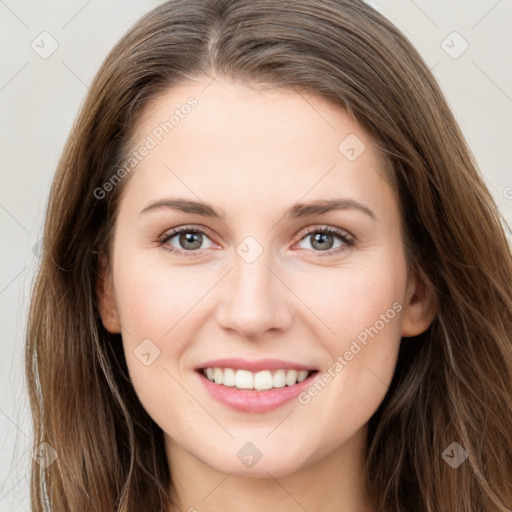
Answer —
(352, 298)
(362, 308)
(154, 305)
(364, 316)
(152, 298)
(352, 387)
(160, 307)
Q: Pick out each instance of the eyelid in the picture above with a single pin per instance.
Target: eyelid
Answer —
(325, 228)
(169, 234)
(347, 238)
(198, 228)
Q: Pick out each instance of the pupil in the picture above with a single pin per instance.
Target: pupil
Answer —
(322, 238)
(319, 240)
(190, 238)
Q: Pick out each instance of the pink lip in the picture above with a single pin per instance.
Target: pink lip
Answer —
(253, 366)
(250, 400)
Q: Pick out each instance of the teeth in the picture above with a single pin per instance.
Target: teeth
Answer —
(291, 377)
(229, 377)
(279, 379)
(266, 379)
(263, 380)
(218, 374)
(243, 379)
(302, 375)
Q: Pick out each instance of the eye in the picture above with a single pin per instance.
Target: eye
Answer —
(189, 241)
(323, 240)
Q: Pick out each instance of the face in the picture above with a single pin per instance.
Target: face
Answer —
(288, 276)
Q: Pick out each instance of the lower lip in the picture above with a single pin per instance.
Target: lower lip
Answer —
(250, 400)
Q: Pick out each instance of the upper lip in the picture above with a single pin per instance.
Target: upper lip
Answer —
(253, 366)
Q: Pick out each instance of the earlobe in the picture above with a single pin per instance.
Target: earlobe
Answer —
(105, 294)
(420, 307)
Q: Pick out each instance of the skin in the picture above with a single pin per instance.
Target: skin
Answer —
(252, 153)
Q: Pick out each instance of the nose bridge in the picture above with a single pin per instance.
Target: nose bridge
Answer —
(252, 281)
(255, 300)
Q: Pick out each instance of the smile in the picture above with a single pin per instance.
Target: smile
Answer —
(254, 386)
(263, 380)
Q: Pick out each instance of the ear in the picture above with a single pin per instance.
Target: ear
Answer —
(105, 295)
(420, 306)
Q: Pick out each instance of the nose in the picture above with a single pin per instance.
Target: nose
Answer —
(256, 301)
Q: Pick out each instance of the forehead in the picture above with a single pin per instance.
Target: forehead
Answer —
(232, 141)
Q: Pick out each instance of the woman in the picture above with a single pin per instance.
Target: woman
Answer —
(272, 277)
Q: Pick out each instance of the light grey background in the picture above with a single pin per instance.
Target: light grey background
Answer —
(40, 97)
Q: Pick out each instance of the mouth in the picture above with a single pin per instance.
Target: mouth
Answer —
(254, 387)
(259, 381)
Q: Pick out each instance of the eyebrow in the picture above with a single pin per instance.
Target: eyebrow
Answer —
(295, 211)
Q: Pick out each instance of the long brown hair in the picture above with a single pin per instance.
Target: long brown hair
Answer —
(453, 383)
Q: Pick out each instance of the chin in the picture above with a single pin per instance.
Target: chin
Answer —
(269, 464)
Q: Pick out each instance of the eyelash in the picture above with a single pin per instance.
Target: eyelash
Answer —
(347, 240)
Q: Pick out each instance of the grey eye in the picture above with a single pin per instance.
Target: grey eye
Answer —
(322, 241)
(189, 240)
